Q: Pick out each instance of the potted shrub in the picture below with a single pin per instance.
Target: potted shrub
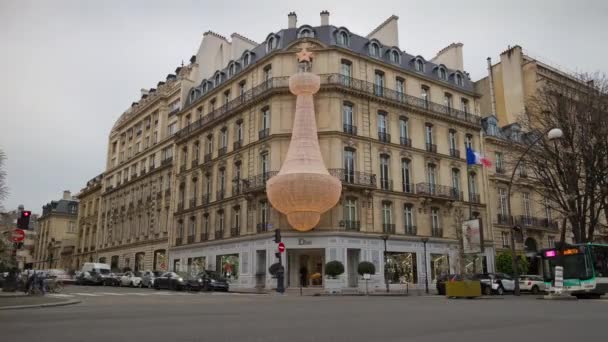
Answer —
(333, 270)
(366, 269)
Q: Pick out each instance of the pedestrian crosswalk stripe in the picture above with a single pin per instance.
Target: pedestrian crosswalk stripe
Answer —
(88, 294)
(112, 293)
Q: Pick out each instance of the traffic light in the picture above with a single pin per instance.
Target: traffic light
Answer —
(277, 255)
(23, 221)
(277, 236)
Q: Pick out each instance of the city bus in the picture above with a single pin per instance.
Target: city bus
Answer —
(585, 268)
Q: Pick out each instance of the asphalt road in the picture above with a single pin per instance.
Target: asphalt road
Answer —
(121, 314)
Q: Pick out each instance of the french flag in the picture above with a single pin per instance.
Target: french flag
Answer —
(474, 158)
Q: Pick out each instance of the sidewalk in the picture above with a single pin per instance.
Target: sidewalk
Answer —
(19, 300)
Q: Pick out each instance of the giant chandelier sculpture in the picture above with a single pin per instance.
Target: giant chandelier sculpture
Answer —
(303, 189)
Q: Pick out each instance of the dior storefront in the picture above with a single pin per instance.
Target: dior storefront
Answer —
(245, 263)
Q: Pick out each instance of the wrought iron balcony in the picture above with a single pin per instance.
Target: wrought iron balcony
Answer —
(182, 168)
(222, 151)
(408, 188)
(531, 222)
(474, 198)
(193, 202)
(406, 142)
(438, 191)
(258, 182)
(180, 206)
(386, 184)
(351, 225)
(235, 231)
(207, 158)
(500, 170)
(384, 137)
(219, 234)
(236, 187)
(503, 219)
(206, 199)
(178, 241)
(204, 236)
(194, 162)
(431, 147)
(388, 228)
(166, 161)
(454, 153)
(410, 230)
(437, 232)
(350, 129)
(264, 133)
(354, 178)
(190, 239)
(237, 144)
(262, 227)
(219, 195)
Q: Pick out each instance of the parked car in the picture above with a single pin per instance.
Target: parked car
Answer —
(147, 279)
(130, 279)
(531, 283)
(94, 277)
(113, 279)
(60, 275)
(170, 281)
(499, 283)
(213, 281)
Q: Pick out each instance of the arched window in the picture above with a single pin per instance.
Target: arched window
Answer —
(419, 65)
(306, 33)
(442, 73)
(459, 79)
(408, 219)
(271, 44)
(374, 49)
(231, 70)
(395, 56)
(351, 220)
(204, 86)
(246, 59)
(218, 79)
(343, 38)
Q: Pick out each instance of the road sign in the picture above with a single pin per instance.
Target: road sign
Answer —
(559, 279)
(281, 247)
(18, 235)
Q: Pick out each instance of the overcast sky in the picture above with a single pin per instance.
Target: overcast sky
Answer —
(70, 68)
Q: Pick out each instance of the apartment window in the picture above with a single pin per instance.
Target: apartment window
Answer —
(523, 172)
(456, 180)
(271, 44)
(114, 146)
(384, 172)
(151, 162)
(499, 162)
(343, 38)
(226, 97)
(223, 138)
(237, 171)
(350, 209)
(218, 79)
(472, 185)
(526, 203)
(395, 57)
(374, 49)
(221, 180)
(264, 162)
(266, 118)
(447, 100)
(443, 73)
(208, 185)
(194, 190)
(306, 33)
(129, 154)
(236, 211)
(502, 202)
(192, 226)
(209, 144)
(349, 165)
(113, 163)
(212, 105)
(464, 104)
(505, 239)
(196, 150)
(347, 118)
(408, 216)
(246, 59)
(435, 219)
(167, 153)
(346, 70)
(432, 176)
(419, 65)
(452, 140)
(468, 141)
(142, 166)
(428, 134)
(185, 155)
(548, 213)
(400, 87)
(263, 213)
(267, 73)
(146, 142)
(231, 70)
(154, 137)
(382, 125)
(551, 241)
(379, 83)
(172, 128)
(404, 131)
(71, 227)
(387, 213)
(406, 175)
(424, 94)
(459, 80)
(174, 106)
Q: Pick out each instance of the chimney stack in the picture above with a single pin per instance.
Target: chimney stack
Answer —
(324, 18)
(67, 195)
(292, 20)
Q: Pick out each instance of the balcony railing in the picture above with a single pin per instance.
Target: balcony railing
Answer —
(236, 187)
(500, 170)
(388, 228)
(182, 168)
(503, 219)
(235, 231)
(474, 198)
(351, 225)
(204, 236)
(355, 178)
(207, 158)
(262, 227)
(194, 162)
(410, 230)
(219, 234)
(350, 129)
(193, 202)
(178, 241)
(222, 151)
(219, 195)
(535, 222)
(327, 80)
(454, 153)
(438, 191)
(264, 133)
(386, 184)
(166, 161)
(431, 148)
(190, 239)
(408, 188)
(206, 199)
(180, 206)
(257, 182)
(406, 142)
(237, 144)
(384, 137)
(437, 232)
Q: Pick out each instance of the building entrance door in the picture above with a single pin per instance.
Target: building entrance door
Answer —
(305, 267)
(352, 261)
(260, 268)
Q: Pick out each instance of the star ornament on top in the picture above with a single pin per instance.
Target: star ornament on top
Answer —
(304, 55)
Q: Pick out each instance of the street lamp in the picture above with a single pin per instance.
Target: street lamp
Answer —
(553, 134)
(385, 237)
(426, 273)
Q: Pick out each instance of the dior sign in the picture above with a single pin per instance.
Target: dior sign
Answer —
(304, 242)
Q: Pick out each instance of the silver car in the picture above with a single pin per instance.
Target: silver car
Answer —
(147, 278)
(531, 283)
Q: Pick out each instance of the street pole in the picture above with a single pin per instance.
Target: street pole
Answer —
(385, 237)
(426, 275)
(554, 134)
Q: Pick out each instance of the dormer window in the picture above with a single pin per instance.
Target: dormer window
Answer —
(443, 73)
(343, 38)
(218, 79)
(395, 57)
(419, 65)
(459, 80)
(205, 86)
(231, 70)
(246, 59)
(306, 33)
(271, 43)
(374, 50)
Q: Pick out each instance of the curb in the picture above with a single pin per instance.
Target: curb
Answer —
(11, 295)
(47, 305)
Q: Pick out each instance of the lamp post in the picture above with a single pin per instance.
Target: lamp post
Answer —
(426, 275)
(553, 134)
(384, 238)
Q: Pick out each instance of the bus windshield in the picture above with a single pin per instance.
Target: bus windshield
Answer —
(575, 267)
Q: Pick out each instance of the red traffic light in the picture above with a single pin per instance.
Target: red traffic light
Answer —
(27, 213)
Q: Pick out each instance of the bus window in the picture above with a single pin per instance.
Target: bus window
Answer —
(599, 255)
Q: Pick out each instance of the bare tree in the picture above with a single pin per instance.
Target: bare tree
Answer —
(571, 172)
(3, 186)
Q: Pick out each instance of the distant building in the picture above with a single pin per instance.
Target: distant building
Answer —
(88, 219)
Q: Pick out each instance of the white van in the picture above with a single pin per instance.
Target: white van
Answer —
(95, 267)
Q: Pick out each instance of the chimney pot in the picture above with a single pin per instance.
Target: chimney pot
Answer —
(292, 20)
(67, 195)
(324, 18)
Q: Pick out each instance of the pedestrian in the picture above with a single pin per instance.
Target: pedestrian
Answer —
(303, 276)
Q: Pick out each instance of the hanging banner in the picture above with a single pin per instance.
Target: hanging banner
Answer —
(471, 236)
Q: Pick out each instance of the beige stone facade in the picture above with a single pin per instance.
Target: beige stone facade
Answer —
(88, 219)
